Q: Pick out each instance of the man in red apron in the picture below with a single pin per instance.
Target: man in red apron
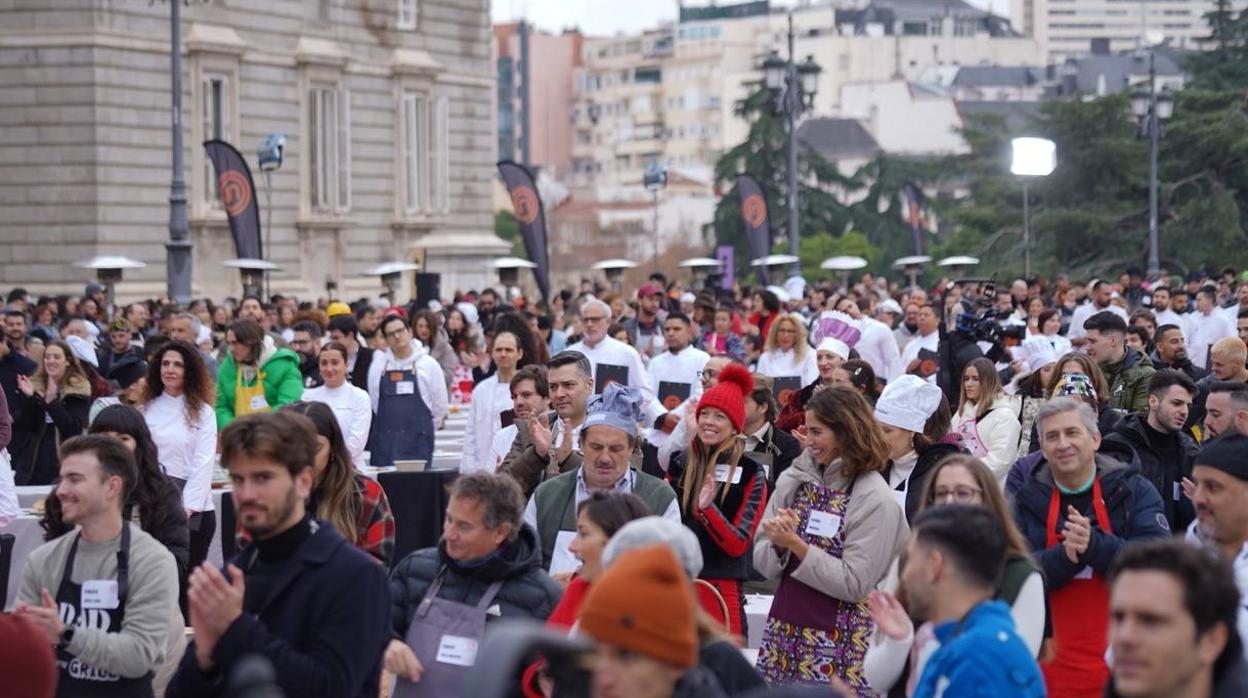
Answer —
(1078, 509)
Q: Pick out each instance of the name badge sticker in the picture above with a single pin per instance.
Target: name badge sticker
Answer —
(823, 524)
(100, 593)
(258, 402)
(721, 473)
(457, 650)
(404, 388)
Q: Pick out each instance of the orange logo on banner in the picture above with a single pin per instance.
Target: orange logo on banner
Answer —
(235, 192)
(524, 199)
(671, 403)
(754, 210)
(785, 395)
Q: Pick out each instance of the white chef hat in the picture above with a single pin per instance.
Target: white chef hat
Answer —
(907, 402)
(1039, 353)
(835, 346)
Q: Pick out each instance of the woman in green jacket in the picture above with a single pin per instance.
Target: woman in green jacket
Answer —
(255, 376)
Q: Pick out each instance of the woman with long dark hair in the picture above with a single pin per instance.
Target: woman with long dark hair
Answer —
(177, 405)
(57, 406)
(830, 533)
(427, 327)
(353, 504)
(987, 418)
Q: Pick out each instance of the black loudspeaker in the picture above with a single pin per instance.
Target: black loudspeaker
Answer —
(428, 288)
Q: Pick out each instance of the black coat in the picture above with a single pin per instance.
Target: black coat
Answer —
(36, 463)
(527, 591)
(783, 447)
(324, 626)
(922, 468)
(11, 366)
(1165, 476)
(359, 374)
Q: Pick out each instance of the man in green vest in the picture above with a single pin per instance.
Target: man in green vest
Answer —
(608, 438)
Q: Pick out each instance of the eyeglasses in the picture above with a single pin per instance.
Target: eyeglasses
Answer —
(396, 333)
(593, 319)
(708, 373)
(961, 495)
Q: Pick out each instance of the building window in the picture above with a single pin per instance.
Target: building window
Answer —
(407, 14)
(426, 154)
(214, 115)
(329, 149)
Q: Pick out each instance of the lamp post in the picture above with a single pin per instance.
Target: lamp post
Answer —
(792, 89)
(654, 180)
(178, 249)
(1152, 108)
(1031, 157)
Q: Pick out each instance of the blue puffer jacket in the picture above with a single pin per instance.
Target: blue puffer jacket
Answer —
(981, 655)
(1135, 513)
(527, 591)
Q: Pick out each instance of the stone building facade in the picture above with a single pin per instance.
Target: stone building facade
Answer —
(388, 109)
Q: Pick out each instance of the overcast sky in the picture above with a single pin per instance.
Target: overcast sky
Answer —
(605, 17)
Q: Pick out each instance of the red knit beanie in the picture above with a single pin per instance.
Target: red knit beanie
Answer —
(27, 664)
(728, 395)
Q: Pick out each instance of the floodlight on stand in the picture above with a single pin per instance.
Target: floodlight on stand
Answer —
(253, 272)
(108, 271)
(509, 270)
(390, 274)
(1033, 157)
(270, 151)
(613, 269)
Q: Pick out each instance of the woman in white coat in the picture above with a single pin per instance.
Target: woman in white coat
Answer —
(351, 406)
(987, 418)
(787, 353)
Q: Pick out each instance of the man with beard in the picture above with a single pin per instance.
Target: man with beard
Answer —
(552, 446)
(300, 595)
(530, 399)
(1226, 410)
(1221, 499)
(909, 328)
(16, 332)
(1171, 352)
(105, 594)
(1226, 365)
(307, 344)
(1165, 451)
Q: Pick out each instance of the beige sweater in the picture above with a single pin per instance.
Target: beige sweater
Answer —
(874, 527)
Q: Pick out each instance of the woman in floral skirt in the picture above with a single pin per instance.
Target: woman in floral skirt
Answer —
(829, 534)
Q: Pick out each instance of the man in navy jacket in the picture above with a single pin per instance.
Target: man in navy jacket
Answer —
(1077, 510)
(301, 596)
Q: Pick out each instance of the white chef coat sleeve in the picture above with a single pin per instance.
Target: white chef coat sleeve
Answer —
(433, 388)
(375, 369)
(361, 422)
(810, 369)
(197, 495)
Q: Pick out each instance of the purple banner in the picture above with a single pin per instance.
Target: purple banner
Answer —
(724, 254)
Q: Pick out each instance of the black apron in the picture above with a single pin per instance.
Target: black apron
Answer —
(444, 636)
(77, 679)
(403, 425)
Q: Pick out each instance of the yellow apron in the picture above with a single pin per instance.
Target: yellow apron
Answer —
(248, 399)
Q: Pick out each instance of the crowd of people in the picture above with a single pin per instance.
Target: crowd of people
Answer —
(958, 489)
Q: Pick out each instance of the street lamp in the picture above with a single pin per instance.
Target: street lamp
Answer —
(108, 271)
(654, 179)
(792, 88)
(178, 249)
(1032, 157)
(1152, 108)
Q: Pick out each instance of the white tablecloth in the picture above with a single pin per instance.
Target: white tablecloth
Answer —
(29, 536)
(757, 606)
